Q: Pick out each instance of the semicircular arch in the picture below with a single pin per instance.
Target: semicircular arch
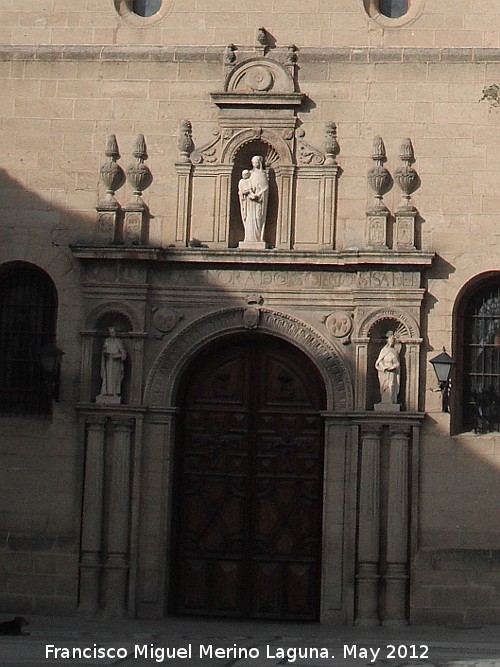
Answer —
(165, 375)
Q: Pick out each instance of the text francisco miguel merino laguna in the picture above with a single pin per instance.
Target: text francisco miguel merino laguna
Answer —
(209, 651)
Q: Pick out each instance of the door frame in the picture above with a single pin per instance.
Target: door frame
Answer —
(340, 454)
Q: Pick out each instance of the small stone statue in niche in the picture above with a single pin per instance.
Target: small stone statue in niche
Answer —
(388, 366)
(112, 368)
(253, 192)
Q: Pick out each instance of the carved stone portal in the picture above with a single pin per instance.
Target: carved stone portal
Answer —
(258, 106)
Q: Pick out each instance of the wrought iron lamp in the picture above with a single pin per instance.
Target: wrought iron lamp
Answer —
(442, 365)
(50, 359)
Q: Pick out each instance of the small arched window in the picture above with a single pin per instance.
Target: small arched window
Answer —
(394, 9)
(477, 352)
(146, 7)
(28, 311)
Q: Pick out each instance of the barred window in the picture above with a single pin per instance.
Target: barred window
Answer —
(394, 9)
(28, 310)
(481, 359)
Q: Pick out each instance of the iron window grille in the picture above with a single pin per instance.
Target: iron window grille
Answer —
(28, 310)
(481, 362)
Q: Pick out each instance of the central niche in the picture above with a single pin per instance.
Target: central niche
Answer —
(243, 160)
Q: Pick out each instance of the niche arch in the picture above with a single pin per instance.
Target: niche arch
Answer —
(242, 160)
(98, 321)
(369, 342)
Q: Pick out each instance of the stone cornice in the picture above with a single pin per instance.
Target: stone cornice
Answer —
(338, 258)
(214, 54)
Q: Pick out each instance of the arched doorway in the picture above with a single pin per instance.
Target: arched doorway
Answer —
(249, 471)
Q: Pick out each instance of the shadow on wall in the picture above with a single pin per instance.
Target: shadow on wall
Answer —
(41, 471)
(456, 569)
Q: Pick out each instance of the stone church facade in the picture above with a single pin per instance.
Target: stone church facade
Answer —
(248, 462)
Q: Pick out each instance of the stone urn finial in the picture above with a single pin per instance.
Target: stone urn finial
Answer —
(138, 173)
(262, 37)
(185, 143)
(112, 175)
(291, 55)
(406, 177)
(332, 148)
(379, 177)
(230, 55)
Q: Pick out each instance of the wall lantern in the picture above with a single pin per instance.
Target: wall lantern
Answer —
(442, 367)
(50, 358)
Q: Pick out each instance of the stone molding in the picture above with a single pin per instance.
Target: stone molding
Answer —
(213, 54)
(225, 256)
(163, 378)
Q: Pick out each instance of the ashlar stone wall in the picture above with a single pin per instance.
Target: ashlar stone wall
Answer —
(73, 73)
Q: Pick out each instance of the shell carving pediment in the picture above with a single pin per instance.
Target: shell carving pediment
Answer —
(260, 75)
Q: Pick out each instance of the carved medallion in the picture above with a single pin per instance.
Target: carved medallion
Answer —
(164, 320)
(259, 79)
(339, 325)
(251, 316)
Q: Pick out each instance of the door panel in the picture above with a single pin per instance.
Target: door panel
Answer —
(249, 483)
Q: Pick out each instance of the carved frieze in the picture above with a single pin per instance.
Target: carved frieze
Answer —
(275, 280)
(114, 272)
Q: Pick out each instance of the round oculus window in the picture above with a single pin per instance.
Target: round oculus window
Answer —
(393, 9)
(146, 8)
(393, 14)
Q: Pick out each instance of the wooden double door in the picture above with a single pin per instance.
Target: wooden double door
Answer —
(249, 470)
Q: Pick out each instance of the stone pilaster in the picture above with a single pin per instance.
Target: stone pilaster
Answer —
(396, 575)
(413, 373)
(361, 371)
(117, 563)
(223, 205)
(285, 177)
(367, 612)
(92, 516)
(184, 180)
